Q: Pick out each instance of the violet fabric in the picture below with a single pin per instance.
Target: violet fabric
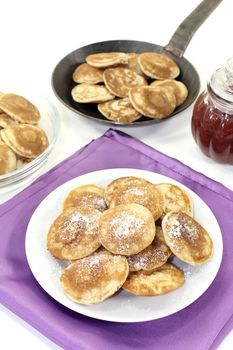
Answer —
(201, 325)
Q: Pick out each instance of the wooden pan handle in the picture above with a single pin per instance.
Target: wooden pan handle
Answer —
(184, 33)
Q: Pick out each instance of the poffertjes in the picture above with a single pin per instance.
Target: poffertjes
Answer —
(88, 196)
(157, 66)
(84, 93)
(120, 80)
(19, 108)
(186, 238)
(162, 280)
(6, 120)
(126, 229)
(154, 102)
(7, 159)
(175, 199)
(74, 233)
(134, 65)
(152, 257)
(120, 182)
(95, 278)
(179, 89)
(143, 194)
(120, 110)
(85, 73)
(26, 140)
(107, 59)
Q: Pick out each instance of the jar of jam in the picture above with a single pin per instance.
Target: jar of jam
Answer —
(212, 120)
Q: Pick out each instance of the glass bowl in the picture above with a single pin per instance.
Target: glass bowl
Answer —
(50, 122)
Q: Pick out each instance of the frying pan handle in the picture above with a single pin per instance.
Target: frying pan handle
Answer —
(184, 33)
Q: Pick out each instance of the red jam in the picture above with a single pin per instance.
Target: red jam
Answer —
(212, 129)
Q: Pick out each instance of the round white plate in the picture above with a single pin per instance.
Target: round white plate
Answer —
(123, 307)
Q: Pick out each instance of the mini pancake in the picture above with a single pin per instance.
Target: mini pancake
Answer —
(134, 65)
(7, 159)
(121, 182)
(107, 59)
(156, 103)
(19, 108)
(85, 73)
(94, 278)
(120, 80)
(87, 196)
(22, 161)
(143, 194)
(26, 140)
(175, 199)
(85, 93)
(74, 233)
(155, 255)
(162, 280)
(158, 66)
(119, 110)
(179, 89)
(126, 229)
(6, 120)
(186, 238)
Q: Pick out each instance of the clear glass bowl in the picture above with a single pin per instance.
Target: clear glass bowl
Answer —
(50, 122)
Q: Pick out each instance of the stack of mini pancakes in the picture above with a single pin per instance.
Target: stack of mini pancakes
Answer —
(123, 236)
(127, 86)
(21, 140)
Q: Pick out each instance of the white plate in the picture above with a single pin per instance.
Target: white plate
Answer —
(123, 307)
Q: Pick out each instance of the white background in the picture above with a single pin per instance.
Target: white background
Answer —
(35, 35)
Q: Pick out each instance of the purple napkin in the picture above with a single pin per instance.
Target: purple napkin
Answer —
(201, 325)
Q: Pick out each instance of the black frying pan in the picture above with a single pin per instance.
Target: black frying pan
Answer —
(62, 76)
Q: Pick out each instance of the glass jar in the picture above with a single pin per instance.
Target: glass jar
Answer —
(212, 119)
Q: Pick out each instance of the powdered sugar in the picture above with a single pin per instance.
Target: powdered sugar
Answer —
(125, 225)
(183, 228)
(175, 230)
(135, 191)
(91, 200)
(79, 224)
(150, 257)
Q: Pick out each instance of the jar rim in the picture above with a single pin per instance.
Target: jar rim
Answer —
(220, 87)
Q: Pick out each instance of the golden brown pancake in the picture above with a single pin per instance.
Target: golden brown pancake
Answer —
(179, 89)
(74, 233)
(85, 73)
(107, 59)
(133, 64)
(175, 199)
(158, 66)
(156, 103)
(6, 120)
(186, 238)
(22, 161)
(26, 140)
(94, 278)
(19, 108)
(87, 196)
(120, 80)
(114, 185)
(119, 110)
(155, 255)
(7, 159)
(85, 93)
(126, 229)
(143, 194)
(162, 280)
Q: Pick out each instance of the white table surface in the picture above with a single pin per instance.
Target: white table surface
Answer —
(35, 35)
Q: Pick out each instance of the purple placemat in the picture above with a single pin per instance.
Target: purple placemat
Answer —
(200, 326)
